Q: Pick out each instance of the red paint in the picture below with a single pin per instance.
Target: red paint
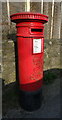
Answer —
(29, 26)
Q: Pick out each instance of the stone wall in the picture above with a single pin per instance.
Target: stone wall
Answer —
(16, 7)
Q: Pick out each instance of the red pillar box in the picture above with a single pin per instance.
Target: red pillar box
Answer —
(30, 44)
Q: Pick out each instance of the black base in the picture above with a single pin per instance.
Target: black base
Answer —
(31, 101)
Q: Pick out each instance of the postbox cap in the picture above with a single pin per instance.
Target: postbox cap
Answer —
(26, 16)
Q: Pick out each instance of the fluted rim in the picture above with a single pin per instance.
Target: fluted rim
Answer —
(28, 15)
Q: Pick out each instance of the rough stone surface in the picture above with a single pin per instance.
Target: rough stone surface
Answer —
(16, 7)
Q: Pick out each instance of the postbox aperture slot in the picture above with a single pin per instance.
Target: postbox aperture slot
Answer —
(36, 30)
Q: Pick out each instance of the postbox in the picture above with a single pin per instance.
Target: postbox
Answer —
(30, 44)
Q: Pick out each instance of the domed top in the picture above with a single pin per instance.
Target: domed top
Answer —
(28, 16)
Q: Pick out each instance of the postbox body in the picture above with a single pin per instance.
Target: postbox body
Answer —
(30, 44)
(30, 55)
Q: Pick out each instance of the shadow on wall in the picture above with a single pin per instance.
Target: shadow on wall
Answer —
(12, 36)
